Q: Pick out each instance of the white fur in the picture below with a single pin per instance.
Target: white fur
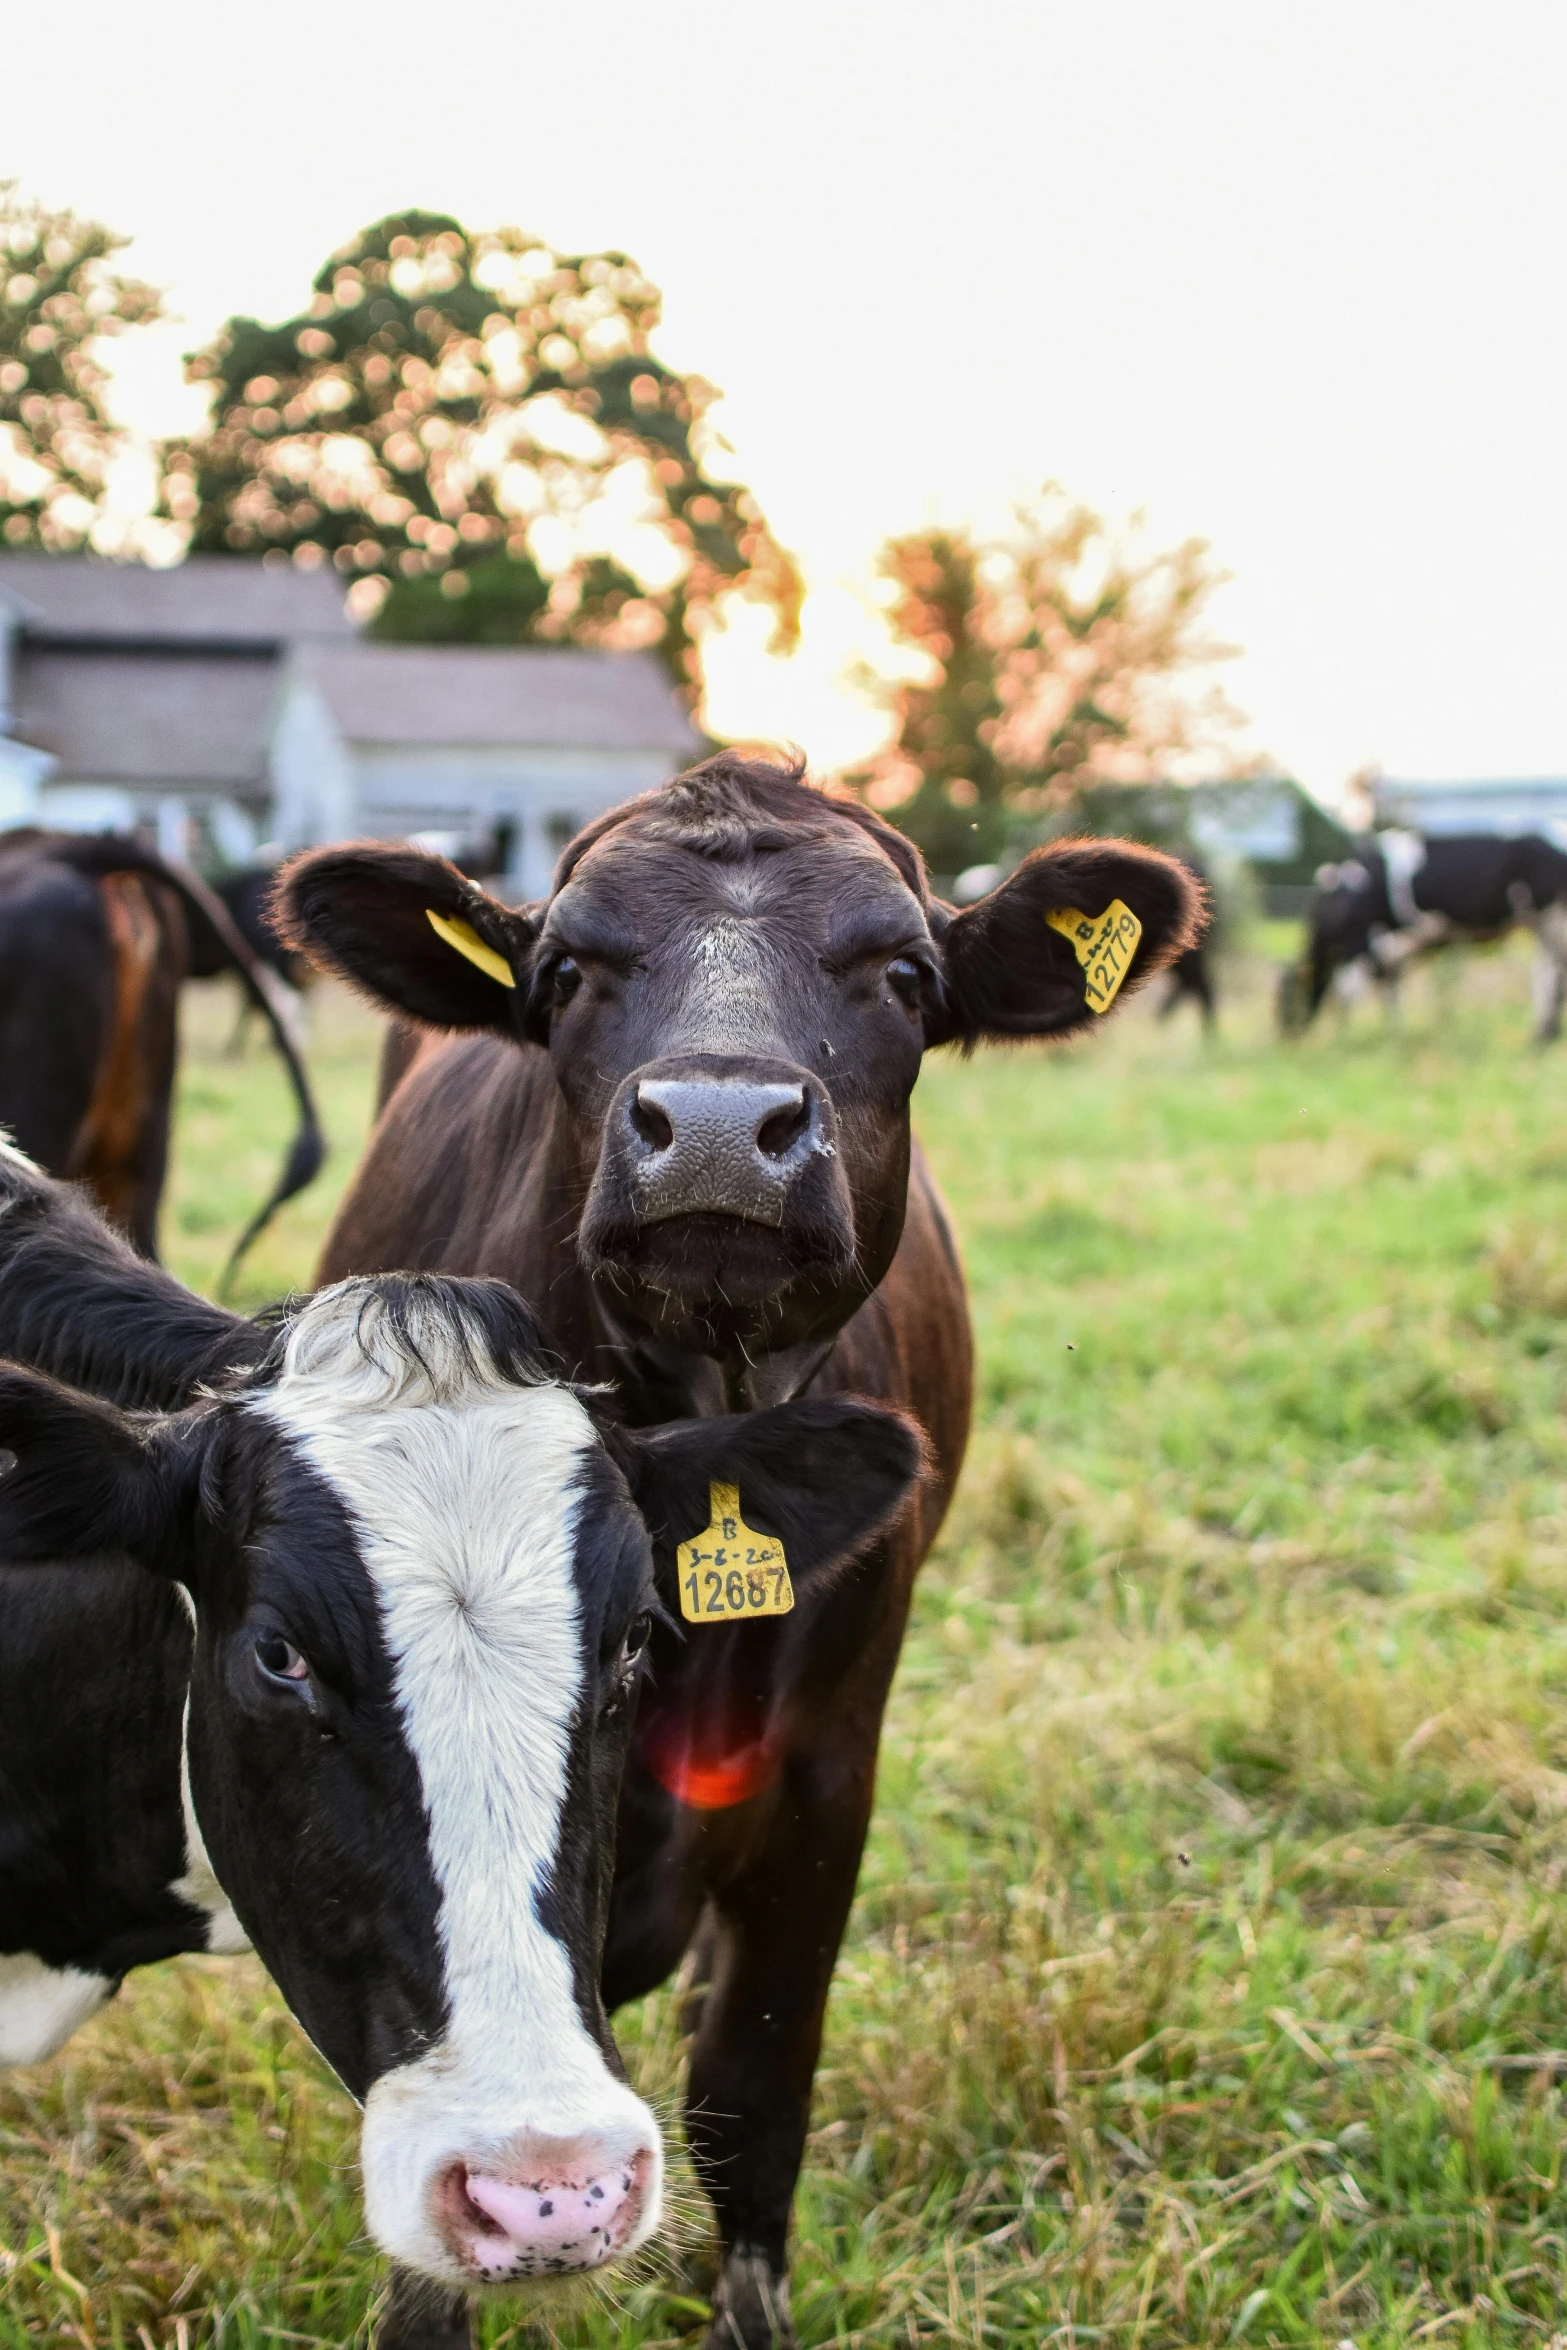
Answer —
(1403, 855)
(226, 1937)
(198, 1885)
(464, 1490)
(41, 2006)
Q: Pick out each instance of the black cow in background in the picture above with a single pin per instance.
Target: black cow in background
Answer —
(1401, 895)
(243, 894)
(1191, 974)
(97, 933)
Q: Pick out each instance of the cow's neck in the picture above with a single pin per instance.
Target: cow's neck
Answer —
(95, 1867)
(657, 1381)
(76, 1304)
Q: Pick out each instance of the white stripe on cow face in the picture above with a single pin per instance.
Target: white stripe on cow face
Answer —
(41, 2006)
(465, 1499)
(198, 1885)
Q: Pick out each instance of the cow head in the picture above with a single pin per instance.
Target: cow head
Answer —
(735, 978)
(1349, 903)
(422, 1577)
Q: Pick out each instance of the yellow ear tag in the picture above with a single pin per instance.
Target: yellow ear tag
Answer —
(728, 1571)
(1104, 944)
(466, 940)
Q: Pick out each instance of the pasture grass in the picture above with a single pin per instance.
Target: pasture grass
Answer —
(1208, 1978)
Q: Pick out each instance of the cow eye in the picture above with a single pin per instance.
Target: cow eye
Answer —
(906, 978)
(565, 979)
(280, 1660)
(637, 1638)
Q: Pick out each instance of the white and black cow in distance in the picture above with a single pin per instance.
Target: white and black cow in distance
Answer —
(1404, 894)
(325, 1637)
(678, 1122)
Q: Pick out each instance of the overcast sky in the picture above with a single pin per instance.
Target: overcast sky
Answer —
(1287, 276)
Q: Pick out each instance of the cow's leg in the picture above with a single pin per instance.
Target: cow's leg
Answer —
(420, 2315)
(775, 1940)
(1550, 973)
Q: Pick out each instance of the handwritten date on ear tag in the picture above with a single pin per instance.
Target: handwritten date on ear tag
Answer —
(729, 1571)
(1104, 944)
(466, 940)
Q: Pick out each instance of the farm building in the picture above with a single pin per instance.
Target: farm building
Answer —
(1506, 803)
(226, 704)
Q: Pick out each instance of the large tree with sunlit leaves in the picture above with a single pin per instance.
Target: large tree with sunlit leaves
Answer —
(475, 431)
(1056, 655)
(60, 302)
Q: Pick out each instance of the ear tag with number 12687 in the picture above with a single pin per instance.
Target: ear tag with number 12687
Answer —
(1104, 944)
(729, 1571)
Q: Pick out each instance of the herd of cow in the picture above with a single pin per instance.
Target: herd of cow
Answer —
(511, 1620)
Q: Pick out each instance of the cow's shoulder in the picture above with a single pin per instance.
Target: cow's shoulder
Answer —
(910, 1343)
(456, 1171)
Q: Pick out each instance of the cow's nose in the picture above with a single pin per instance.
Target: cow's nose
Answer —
(725, 1145)
(550, 2218)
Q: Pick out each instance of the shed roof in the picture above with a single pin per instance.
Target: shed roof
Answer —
(137, 718)
(499, 695)
(207, 599)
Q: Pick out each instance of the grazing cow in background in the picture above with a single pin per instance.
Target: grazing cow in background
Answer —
(247, 893)
(325, 1637)
(1401, 895)
(1191, 974)
(95, 939)
(677, 1119)
(244, 894)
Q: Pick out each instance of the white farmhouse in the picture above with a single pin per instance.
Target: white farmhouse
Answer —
(503, 754)
(226, 705)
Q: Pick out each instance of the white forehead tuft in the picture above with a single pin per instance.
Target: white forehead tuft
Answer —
(372, 1350)
(14, 1156)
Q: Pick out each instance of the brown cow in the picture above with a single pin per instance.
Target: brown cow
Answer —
(678, 1122)
(96, 935)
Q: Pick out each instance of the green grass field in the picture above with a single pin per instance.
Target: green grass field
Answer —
(1208, 1980)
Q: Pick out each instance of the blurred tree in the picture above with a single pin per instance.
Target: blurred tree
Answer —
(1050, 659)
(474, 429)
(58, 300)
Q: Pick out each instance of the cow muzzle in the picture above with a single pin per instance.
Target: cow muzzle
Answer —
(720, 1174)
(720, 1145)
(455, 2192)
(546, 2207)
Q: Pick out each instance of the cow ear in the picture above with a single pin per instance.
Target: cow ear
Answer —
(78, 1478)
(1009, 972)
(410, 932)
(822, 1476)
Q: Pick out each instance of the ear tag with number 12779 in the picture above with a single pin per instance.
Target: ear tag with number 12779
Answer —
(729, 1571)
(1104, 944)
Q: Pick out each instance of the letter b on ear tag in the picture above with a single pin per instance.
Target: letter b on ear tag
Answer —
(729, 1571)
(1104, 944)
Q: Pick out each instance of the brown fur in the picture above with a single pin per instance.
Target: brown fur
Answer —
(488, 1156)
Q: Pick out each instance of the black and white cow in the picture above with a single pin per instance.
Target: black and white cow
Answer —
(1401, 895)
(325, 1638)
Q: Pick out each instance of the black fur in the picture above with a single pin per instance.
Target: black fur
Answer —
(1469, 886)
(57, 988)
(307, 1793)
(732, 948)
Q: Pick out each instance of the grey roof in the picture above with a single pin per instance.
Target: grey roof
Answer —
(483, 695)
(132, 718)
(207, 599)
(1471, 783)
